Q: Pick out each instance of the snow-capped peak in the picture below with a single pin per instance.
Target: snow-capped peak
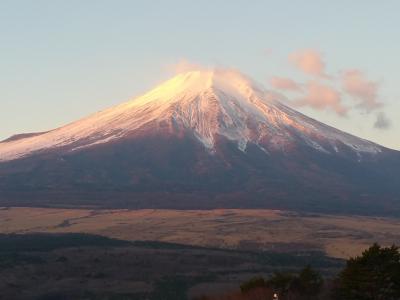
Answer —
(208, 103)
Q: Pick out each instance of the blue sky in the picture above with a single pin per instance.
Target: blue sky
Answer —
(62, 60)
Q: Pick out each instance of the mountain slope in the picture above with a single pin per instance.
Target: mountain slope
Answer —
(202, 139)
(209, 103)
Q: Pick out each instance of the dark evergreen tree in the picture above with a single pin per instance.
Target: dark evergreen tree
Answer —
(281, 282)
(309, 283)
(375, 275)
(252, 283)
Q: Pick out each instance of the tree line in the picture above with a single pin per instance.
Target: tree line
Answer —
(373, 275)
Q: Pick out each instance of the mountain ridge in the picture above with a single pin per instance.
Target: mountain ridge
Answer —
(207, 102)
(204, 139)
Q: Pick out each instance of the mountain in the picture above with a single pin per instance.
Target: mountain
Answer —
(203, 139)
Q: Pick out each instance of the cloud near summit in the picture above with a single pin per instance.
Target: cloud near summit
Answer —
(309, 61)
(284, 84)
(340, 92)
(382, 122)
(322, 97)
(361, 89)
(183, 66)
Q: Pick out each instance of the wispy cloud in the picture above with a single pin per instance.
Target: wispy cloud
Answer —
(322, 97)
(185, 66)
(344, 89)
(284, 84)
(363, 90)
(309, 61)
(382, 121)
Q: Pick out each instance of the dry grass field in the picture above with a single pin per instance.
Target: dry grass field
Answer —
(338, 236)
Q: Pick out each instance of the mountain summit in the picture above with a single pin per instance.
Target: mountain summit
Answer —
(202, 139)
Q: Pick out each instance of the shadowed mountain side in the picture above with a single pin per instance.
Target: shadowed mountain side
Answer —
(135, 173)
(204, 139)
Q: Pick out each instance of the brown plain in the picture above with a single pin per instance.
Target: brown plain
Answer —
(338, 236)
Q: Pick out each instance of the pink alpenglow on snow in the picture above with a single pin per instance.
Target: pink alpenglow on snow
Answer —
(208, 103)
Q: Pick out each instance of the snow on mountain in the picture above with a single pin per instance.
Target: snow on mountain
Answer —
(207, 103)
